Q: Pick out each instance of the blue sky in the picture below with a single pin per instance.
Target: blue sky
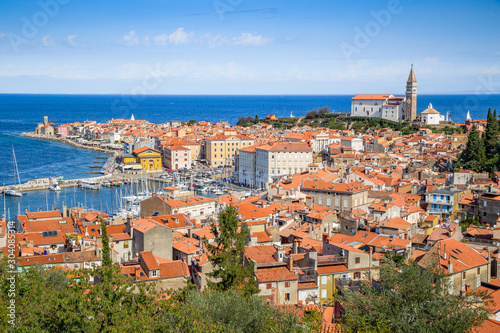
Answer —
(248, 46)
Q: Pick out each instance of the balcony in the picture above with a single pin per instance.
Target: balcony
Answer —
(331, 260)
(348, 284)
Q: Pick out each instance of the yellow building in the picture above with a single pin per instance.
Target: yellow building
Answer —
(430, 222)
(220, 149)
(148, 158)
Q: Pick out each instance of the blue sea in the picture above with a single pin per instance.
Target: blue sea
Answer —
(38, 158)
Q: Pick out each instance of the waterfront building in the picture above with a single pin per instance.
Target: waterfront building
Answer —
(148, 158)
(62, 130)
(220, 149)
(194, 147)
(45, 128)
(261, 165)
(245, 166)
(387, 106)
(177, 157)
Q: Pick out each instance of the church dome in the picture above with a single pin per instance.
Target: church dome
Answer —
(430, 110)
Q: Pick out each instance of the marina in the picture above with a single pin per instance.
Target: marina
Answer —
(118, 193)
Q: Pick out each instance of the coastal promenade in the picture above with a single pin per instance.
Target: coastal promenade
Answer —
(70, 142)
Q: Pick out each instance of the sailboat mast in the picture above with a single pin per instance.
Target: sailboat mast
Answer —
(16, 169)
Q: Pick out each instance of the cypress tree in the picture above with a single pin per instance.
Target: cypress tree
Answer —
(473, 157)
(106, 254)
(491, 134)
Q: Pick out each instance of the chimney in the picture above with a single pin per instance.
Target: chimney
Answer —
(444, 252)
(290, 263)
(313, 256)
(64, 211)
(370, 257)
(450, 265)
(280, 255)
(295, 247)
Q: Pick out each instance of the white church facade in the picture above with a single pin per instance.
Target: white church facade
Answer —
(431, 116)
(387, 106)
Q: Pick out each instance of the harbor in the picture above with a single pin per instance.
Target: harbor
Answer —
(117, 193)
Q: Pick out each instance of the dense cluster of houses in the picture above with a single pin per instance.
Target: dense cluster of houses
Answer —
(330, 206)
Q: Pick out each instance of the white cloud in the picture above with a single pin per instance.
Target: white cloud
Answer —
(47, 40)
(2, 35)
(179, 36)
(71, 40)
(249, 39)
(245, 39)
(132, 39)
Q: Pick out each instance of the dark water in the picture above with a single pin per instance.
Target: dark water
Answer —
(39, 158)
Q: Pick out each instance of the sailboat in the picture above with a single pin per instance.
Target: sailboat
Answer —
(12, 190)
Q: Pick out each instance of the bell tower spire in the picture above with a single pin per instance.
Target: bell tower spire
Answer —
(411, 96)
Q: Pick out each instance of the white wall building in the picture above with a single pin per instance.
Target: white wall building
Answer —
(431, 116)
(387, 106)
(353, 143)
(272, 161)
(177, 157)
(246, 166)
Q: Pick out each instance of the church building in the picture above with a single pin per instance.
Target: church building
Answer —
(387, 106)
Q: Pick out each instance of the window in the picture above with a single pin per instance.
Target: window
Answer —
(357, 275)
(323, 280)
(357, 260)
(125, 244)
(269, 286)
(287, 296)
(287, 284)
(154, 273)
(464, 275)
(323, 293)
(478, 270)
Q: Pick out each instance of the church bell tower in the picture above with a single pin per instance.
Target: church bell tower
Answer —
(411, 97)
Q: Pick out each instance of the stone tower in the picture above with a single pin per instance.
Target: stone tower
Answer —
(411, 97)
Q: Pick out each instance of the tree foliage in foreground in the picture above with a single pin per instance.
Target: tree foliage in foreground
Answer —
(227, 254)
(409, 299)
(50, 302)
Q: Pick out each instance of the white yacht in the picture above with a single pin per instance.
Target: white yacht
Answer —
(55, 187)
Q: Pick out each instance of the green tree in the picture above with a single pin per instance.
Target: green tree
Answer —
(473, 157)
(106, 254)
(257, 118)
(227, 254)
(491, 132)
(410, 298)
